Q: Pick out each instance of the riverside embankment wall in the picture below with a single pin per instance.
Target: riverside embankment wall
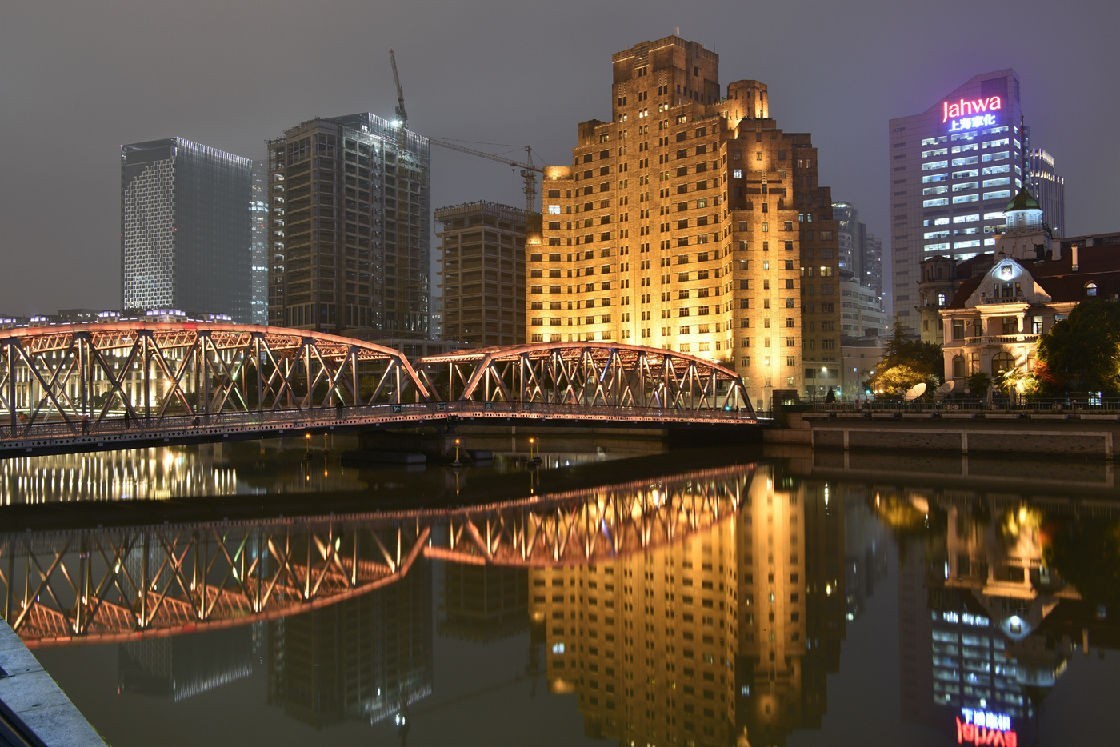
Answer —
(1020, 434)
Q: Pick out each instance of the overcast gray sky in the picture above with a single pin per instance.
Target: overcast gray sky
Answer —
(80, 77)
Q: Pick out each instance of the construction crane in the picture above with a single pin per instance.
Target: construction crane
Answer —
(402, 115)
(528, 170)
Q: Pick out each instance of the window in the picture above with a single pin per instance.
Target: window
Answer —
(1002, 362)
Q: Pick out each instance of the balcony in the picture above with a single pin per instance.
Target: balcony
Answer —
(1011, 339)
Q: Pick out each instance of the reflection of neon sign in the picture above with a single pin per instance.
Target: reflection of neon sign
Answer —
(981, 728)
(970, 114)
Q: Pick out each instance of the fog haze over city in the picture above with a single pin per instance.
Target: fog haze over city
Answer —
(81, 79)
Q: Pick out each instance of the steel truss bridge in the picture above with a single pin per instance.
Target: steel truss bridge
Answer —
(107, 385)
(122, 584)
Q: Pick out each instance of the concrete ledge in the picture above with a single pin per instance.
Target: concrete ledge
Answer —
(32, 703)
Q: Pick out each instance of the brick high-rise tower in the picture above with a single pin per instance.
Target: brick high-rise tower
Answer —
(689, 221)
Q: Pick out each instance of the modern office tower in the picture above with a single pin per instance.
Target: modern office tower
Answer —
(349, 225)
(851, 233)
(873, 268)
(689, 221)
(258, 216)
(1048, 188)
(185, 228)
(860, 251)
(953, 169)
(482, 258)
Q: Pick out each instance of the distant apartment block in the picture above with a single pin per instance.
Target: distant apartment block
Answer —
(185, 228)
(482, 259)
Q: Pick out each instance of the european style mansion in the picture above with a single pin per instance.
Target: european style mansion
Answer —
(993, 322)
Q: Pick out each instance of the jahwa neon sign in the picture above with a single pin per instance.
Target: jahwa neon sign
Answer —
(980, 729)
(970, 114)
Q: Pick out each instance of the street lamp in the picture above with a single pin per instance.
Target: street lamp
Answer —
(457, 443)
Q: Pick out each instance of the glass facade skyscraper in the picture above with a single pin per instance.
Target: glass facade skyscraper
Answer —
(185, 233)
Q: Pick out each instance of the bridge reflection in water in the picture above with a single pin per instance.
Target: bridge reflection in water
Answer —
(132, 582)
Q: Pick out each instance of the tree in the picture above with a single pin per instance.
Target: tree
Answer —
(978, 383)
(907, 362)
(1082, 352)
(896, 380)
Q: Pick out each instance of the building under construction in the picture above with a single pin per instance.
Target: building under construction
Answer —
(349, 207)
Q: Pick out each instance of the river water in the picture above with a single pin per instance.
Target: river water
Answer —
(609, 594)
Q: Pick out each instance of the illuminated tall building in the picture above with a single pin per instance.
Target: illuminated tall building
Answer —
(953, 169)
(258, 215)
(349, 225)
(185, 228)
(689, 221)
(482, 261)
(1049, 188)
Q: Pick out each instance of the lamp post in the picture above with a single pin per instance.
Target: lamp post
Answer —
(457, 443)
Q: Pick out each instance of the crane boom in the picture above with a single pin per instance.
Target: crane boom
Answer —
(528, 169)
(401, 114)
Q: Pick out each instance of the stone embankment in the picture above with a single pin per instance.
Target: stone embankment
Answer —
(1084, 435)
(33, 709)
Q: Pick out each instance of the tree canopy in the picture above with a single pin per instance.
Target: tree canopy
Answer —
(905, 363)
(1082, 352)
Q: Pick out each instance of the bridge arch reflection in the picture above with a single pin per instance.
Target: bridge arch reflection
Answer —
(129, 583)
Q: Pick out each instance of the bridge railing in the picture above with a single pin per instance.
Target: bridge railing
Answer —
(317, 418)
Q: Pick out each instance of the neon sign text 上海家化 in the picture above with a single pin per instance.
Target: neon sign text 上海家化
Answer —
(970, 114)
(980, 728)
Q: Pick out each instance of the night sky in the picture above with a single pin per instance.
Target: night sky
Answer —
(78, 79)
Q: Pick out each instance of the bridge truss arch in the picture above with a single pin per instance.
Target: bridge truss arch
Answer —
(95, 378)
(586, 375)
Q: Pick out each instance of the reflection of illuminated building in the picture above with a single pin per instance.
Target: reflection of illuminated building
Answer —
(865, 560)
(185, 666)
(792, 601)
(647, 643)
(366, 658)
(978, 649)
(127, 474)
(483, 602)
(726, 635)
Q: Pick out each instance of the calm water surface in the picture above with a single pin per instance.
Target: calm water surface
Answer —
(686, 599)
